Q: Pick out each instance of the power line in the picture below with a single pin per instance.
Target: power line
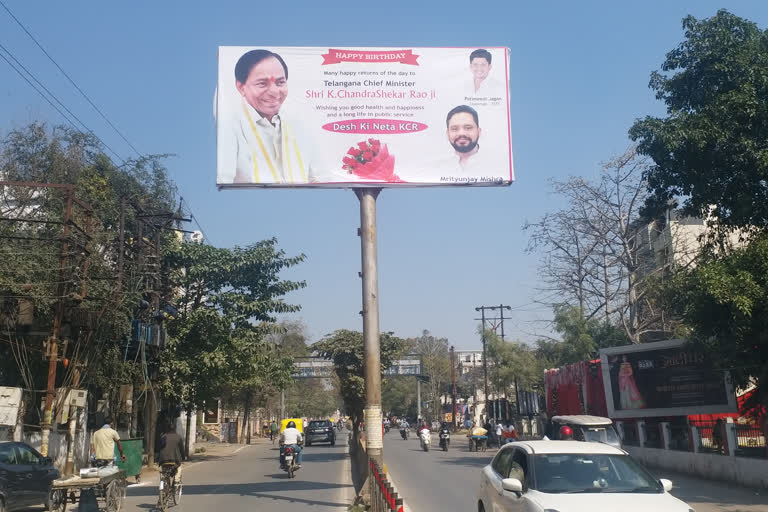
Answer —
(55, 98)
(39, 92)
(70, 79)
(192, 216)
(87, 98)
(38, 82)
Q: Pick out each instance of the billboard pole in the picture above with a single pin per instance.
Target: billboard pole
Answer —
(371, 349)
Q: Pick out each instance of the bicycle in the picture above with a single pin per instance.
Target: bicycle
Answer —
(170, 490)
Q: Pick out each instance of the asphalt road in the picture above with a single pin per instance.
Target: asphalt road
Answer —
(441, 481)
(249, 479)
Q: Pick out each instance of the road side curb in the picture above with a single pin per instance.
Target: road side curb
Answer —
(348, 494)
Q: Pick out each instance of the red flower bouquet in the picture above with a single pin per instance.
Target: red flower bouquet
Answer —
(369, 160)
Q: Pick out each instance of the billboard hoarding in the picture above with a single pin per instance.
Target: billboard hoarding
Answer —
(362, 117)
(666, 378)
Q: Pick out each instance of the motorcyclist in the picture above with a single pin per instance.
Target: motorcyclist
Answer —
(566, 433)
(423, 427)
(444, 432)
(291, 438)
(404, 428)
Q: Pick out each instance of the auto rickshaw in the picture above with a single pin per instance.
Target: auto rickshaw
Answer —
(298, 421)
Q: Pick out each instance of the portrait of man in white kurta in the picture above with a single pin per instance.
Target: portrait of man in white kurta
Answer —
(262, 146)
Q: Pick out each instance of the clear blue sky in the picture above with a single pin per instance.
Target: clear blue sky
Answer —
(579, 76)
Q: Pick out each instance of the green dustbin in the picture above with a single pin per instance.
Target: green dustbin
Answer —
(134, 451)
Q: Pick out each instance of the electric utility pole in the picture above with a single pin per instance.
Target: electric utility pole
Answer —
(453, 377)
(481, 309)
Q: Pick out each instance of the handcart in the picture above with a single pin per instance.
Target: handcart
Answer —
(480, 443)
(106, 491)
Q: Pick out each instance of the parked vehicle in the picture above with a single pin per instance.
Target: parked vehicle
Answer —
(320, 431)
(535, 476)
(290, 465)
(26, 478)
(588, 428)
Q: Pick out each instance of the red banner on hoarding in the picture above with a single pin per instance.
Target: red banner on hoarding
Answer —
(335, 56)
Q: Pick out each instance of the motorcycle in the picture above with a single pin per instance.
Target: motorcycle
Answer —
(425, 437)
(404, 433)
(290, 465)
(386, 428)
(445, 439)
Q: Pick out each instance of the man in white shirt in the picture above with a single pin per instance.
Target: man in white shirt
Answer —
(291, 437)
(262, 146)
(482, 84)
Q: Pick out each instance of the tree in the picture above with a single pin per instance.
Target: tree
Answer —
(710, 150)
(724, 301)
(398, 397)
(514, 365)
(436, 362)
(99, 308)
(227, 302)
(581, 339)
(345, 349)
(595, 257)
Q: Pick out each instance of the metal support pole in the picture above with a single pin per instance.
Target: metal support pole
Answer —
(371, 349)
(501, 312)
(121, 247)
(151, 422)
(282, 404)
(53, 343)
(418, 399)
(485, 361)
(453, 377)
(74, 412)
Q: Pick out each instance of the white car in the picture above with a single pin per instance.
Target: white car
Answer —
(571, 476)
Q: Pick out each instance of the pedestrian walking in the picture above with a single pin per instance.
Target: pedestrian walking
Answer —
(499, 434)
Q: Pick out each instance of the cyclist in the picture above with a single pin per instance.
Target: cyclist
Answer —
(171, 451)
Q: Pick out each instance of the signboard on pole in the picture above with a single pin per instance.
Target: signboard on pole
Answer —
(319, 368)
(361, 117)
(667, 378)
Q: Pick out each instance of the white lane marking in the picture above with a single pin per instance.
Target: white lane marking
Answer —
(241, 448)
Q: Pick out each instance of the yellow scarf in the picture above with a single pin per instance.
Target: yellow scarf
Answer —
(286, 152)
